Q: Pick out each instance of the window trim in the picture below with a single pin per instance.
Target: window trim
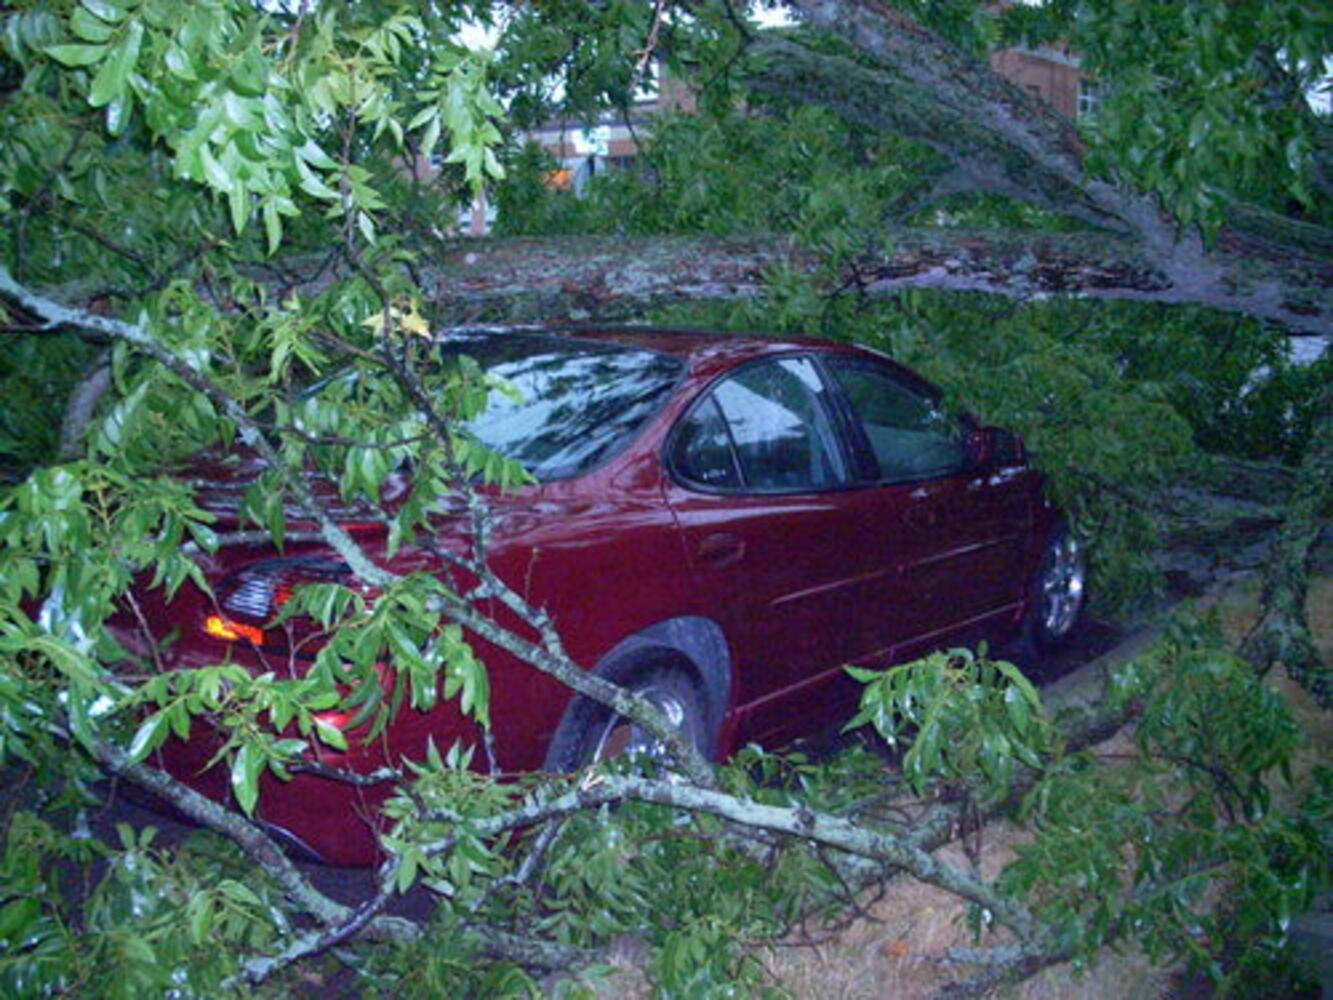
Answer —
(1088, 97)
(828, 399)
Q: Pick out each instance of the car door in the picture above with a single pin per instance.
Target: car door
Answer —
(955, 531)
(763, 493)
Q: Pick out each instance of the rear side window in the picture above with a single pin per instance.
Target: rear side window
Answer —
(765, 429)
(911, 434)
(703, 453)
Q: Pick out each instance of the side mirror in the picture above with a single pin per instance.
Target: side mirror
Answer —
(995, 447)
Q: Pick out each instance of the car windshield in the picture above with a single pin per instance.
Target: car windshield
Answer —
(576, 403)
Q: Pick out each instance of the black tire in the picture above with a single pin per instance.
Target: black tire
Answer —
(591, 732)
(1058, 592)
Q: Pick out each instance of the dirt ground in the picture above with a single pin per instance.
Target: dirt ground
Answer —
(896, 950)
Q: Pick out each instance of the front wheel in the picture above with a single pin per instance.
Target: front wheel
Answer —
(1058, 592)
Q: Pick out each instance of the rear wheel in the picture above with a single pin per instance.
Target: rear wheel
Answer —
(670, 693)
(1058, 592)
(592, 732)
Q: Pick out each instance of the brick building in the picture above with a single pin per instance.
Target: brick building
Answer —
(584, 151)
(1051, 74)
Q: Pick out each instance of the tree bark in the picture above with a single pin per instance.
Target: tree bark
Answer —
(616, 278)
(1008, 142)
(986, 160)
(81, 405)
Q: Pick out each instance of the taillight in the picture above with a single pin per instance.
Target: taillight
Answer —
(230, 631)
(250, 599)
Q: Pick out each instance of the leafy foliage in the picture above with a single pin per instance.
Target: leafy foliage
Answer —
(697, 174)
(964, 716)
(154, 922)
(1178, 849)
(174, 171)
(1201, 102)
(1147, 855)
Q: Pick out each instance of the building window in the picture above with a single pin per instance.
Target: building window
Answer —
(1090, 94)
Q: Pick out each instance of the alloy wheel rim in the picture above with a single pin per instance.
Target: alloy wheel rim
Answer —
(621, 737)
(1062, 587)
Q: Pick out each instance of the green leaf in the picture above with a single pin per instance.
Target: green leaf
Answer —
(862, 674)
(272, 225)
(431, 137)
(106, 11)
(149, 736)
(367, 226)
(118, 113)
(1015, 677)
(76, 55)
(214, 172)
(407, 868)
(137, 949)
(111, 78)
(238, 199)
(311, 183)
(179, 62)
(88, 27)
(199, 915)
(330, 734)
(246, 767)
(312, 154)
(240, 892)
(1018, 709)
(250, 74)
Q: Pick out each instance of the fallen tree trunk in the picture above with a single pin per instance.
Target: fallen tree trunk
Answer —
(542, 279)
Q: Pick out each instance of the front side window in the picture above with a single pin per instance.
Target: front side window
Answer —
(763, 430)
(911, 434)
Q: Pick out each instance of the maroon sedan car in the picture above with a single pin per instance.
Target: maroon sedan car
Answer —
(720, 522)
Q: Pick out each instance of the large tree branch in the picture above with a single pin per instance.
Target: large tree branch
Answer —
(961, 85)
(336, 921)
(798, 821)
(82, 403)
(986, 159)
(559, 278)
(1008, 142)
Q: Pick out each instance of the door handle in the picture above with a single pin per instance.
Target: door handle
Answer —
(720, 549)
(923, 511)
(921, 516)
